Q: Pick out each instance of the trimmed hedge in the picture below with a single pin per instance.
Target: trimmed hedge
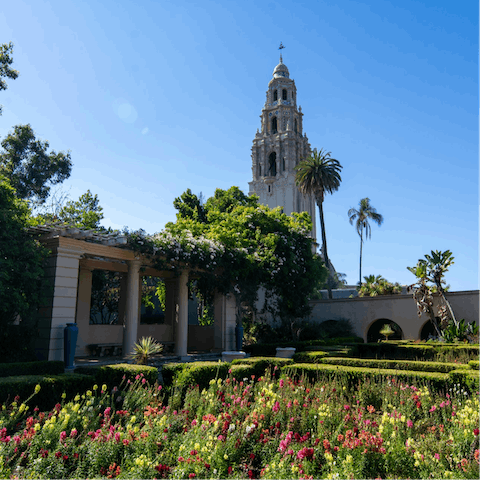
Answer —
(474, 364)
(354, 375)
(413, 351)
(51, 388)
(258, 365)
(310, 357)
(270, 349)
(112, 375)
(466, 377)
(31, 368)
(395, 364)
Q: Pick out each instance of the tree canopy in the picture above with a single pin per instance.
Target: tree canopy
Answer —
(6, 71)
(21, 258)
(28, 165)
(238, 246)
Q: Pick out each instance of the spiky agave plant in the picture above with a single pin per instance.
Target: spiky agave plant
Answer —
(144, 349)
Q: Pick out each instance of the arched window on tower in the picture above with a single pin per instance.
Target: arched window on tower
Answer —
(274, 125)
(296, 126)
(275, 95)
(272, 164)
(284, 94)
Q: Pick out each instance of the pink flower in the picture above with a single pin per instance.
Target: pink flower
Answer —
(276, 407)
(281, 383)
(194, 422)
(159, 387)
(346, 407)
(305, 453)
(63, 436)
(107, 411)
(73, 433)
(433, 408)
(437, 456)
(117, 437)
(143, 381)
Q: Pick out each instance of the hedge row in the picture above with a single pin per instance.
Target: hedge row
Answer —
(414, 351)
(441, 367)
(354, 375)
(474, 364)
(114, 375)
(31, 368)
(270, 349)
(51, 388)
(310, 357)
(84, 378)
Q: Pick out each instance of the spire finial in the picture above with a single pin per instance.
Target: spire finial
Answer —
(281, 47)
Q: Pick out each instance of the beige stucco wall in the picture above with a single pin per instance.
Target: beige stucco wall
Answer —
(363, 312)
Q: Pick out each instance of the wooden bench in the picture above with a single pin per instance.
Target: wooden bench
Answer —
(103, 349)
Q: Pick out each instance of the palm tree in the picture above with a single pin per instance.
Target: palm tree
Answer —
(362, 215)
(316, 175)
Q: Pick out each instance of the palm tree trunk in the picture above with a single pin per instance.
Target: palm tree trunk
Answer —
(324, 248)
(361, 245)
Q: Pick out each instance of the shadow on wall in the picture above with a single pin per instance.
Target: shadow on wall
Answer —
(374, 334)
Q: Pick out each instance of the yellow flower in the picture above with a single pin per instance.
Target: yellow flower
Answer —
(104, 387)
(64, 395)
(37, 388)
(77, 398)
(89, 392)
(22, 408)
(37, 427)
(225, 457)
(95, 387)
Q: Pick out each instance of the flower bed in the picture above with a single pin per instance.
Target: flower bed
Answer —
(255, 427)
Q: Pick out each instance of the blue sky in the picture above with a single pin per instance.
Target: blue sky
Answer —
(154, 97)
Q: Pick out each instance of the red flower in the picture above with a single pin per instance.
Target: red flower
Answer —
(230, 470)
(250, 474)
(476, 431)
(191, 475)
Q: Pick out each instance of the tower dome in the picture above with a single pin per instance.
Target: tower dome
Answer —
(281, 70)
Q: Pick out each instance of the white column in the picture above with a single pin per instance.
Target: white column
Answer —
(130, 327)
(181, 327)
(84, 296)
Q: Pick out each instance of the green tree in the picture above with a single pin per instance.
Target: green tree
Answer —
(21, 259)
(6, 71)
(361, 217)
(240, 247)
(377, 285)
(430, 273)
(31, 170)
(85, 212)
(316, 175)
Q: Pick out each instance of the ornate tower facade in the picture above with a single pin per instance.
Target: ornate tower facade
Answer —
(279, 146)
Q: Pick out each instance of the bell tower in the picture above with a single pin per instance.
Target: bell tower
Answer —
(279, 146)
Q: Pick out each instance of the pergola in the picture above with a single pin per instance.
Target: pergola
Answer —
(74, 255)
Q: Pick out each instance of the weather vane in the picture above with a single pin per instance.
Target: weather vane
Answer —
(281, 47)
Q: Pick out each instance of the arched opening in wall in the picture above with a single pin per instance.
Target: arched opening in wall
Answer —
(428, 331)
(374, 335)
(274, 125)
(284, 94)
(272, 164)
(275, 95)
(296, 126)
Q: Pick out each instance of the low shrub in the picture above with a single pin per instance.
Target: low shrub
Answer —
(394, 364)
(31, 368)
(114, 375)
(356, 375)
(51, 388)
(474, 364)
(465, 377)
(310, 357)
(259, 365)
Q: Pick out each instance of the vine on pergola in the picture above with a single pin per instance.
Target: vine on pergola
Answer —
(235, 245)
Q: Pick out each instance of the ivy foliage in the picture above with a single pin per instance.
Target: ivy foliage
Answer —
(235, 245)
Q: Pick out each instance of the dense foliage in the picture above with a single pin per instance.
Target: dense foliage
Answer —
(6, 71)
(21, 259)
(377, 285)
(31, 169)
(238, 246)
